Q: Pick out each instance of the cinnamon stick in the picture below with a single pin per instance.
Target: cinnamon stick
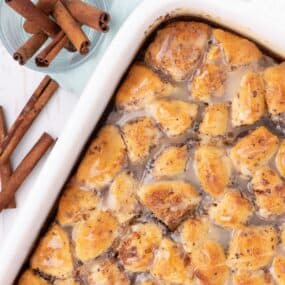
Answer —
(25, 168)
(30, 47)
(71, 28)
(5, 168)
(30, 104)
(46, 6)
(36, 103)
(30, 12)
(46, 56)
(88, 15)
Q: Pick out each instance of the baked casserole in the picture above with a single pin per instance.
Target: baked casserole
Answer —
(184, 184)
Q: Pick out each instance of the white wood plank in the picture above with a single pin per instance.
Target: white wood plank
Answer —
(16, 86)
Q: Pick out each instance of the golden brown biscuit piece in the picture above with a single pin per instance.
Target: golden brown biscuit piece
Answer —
(252, 248)
(238, 51)
(194, 233)
(283, 235)
(104, 158)
(121, 199)
(269, 190)
(274, 78)
(147, 282)
(248, 104)
(209, 82)
(140, 137)
(136, 250)
(277, 269)
(170, 201)
(215, 120)
(106, 272)
(53, 254)
(140, 87)
(170, 162)
(254, 150)
(280, 159)
(252, 278)
(214, 55)
(213, 169)
(30, 278)
(233, 211)
(70, 281)
(209, 264)
(144, 279)
(171, 265)
(178, 48)
(95, 236)
(175, 117)
(75, 205)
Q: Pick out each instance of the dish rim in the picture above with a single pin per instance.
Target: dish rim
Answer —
(90, 108)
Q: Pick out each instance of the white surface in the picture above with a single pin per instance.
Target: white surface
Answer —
(247, 16)
(16, 86)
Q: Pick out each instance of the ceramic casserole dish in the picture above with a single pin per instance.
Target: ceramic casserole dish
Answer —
(258, 20)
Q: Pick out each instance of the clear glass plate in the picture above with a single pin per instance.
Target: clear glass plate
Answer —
(13, 36)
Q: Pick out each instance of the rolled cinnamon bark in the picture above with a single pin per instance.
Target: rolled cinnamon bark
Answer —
(71, 28)
(46, 56)
(46, 6)
(88, 15)
(5, 168)
(25, 120)
(30, 12)
(30, 47)
(30, 104)
(25, 168)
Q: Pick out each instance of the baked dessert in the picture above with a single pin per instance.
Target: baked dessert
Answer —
(184, 183)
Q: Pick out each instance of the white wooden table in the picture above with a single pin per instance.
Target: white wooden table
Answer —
(16, 86)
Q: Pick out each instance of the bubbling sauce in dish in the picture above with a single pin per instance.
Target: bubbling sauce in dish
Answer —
(184, 184)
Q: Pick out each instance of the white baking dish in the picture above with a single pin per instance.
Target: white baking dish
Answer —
(261, 20)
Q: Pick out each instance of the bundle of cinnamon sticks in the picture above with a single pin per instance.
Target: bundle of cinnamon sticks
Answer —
(59, 20)
(9, 140)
